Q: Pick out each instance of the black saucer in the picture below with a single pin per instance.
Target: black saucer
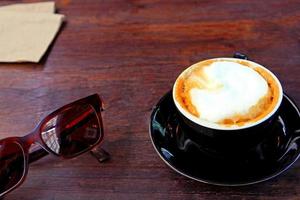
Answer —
(269, 159)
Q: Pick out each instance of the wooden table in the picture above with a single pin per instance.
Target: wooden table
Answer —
(130, 52)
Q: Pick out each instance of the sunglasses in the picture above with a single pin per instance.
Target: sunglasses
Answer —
(67, 132)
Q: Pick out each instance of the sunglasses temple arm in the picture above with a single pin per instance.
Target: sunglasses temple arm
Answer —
(37, 154)
(100, 154)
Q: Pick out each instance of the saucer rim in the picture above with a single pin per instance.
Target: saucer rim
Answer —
(153, 112)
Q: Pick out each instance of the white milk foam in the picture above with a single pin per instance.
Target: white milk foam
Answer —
(231, 89)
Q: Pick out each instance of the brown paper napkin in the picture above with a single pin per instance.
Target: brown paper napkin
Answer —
(26, 32)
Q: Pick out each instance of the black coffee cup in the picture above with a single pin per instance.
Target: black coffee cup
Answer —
(223, 140)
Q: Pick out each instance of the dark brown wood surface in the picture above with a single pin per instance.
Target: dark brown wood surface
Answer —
(130, 52)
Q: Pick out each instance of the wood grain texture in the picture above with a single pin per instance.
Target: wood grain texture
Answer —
(130, 52)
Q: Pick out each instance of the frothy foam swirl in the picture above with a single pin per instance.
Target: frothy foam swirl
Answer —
(225, 92)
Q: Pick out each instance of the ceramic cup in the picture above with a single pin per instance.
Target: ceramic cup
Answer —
(225, 141)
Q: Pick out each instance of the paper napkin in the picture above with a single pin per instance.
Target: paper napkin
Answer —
(42, 7)
(27, 30)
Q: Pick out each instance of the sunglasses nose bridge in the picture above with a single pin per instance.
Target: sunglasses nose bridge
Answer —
(30, 139)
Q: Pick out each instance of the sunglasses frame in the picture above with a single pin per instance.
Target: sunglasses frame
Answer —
(35, 137)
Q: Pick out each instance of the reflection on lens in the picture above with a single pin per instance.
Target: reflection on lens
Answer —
(12, 164)
(72, 131)
(49, 135)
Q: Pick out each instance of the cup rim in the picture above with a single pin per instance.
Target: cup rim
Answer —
(215, 126)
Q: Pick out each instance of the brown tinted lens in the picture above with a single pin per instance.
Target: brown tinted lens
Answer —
(72, 131)
(12, 165)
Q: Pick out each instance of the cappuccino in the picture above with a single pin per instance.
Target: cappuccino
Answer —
(227, 92)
